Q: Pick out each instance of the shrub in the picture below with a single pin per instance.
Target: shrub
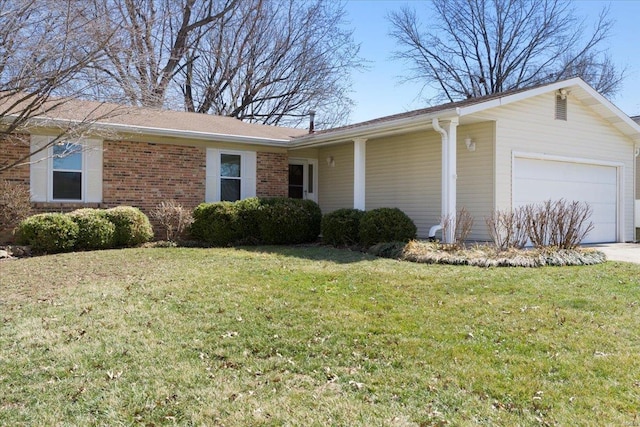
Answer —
(288, 221)
(558, 224)
(216, 224)
(95, 231)
(15, 204)
(248, 217)
(173, 217)
(508, 229)
(341, 227)
(48, 233)
(462, 227)
(386, 225)
(132, 226)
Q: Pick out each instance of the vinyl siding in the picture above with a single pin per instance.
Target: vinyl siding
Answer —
(405, 172)
(475, 176)
(529, 126)
(335, 186)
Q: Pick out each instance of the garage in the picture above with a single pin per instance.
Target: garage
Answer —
(538, 179)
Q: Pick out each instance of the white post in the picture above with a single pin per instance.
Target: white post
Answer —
(448, 130)
(359, 173)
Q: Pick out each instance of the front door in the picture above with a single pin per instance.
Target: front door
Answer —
(302, 179)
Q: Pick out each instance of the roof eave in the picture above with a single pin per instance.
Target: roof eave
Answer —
(160, 132)
(379, 129)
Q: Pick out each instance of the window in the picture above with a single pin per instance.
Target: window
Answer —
(230, 177)
(66, 171)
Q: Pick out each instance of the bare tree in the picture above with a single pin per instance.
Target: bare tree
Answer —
(151, 40)
(41, 53)
(272, 61)
(478, 47)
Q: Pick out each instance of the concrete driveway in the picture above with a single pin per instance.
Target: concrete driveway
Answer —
(628, 252)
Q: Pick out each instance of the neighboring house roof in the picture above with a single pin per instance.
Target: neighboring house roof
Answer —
(636, 119)
(465, 111)
(159, 122)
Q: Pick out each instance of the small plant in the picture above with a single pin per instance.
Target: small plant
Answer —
(15, 204)
(463, 226)
(173, 217)
(508, 229)
(95, 231)
(341, 227)
(48, 233)
(386, 225)
(560, 224)
(132, 226)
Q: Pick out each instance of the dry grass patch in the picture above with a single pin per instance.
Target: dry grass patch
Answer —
(486, 255)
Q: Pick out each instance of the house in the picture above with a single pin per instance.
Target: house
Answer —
(560, 140)
(637, 120)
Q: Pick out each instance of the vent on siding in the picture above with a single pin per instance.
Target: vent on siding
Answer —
(561, 106)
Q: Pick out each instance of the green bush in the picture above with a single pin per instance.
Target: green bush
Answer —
(132, 226)
(386, 225)
(341, 227)
(216, 224)
(255, 221)
(48, 233)
(95, 231)
(285, 221)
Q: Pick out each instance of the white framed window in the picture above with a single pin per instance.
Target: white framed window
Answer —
(231, 175)
(69, 171)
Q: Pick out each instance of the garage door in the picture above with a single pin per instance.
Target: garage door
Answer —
(537, 180)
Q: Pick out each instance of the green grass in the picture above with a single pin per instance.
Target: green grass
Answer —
(314, 336)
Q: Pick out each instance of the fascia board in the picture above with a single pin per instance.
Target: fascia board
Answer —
(162, 132)
(372, 130)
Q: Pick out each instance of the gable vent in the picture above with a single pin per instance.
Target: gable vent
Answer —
(561, 105)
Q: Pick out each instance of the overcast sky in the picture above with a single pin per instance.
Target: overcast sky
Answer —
(377, 91)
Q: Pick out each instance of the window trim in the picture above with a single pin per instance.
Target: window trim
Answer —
(248, 172)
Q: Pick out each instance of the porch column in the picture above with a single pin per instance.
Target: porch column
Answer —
(359, 173)
(448, 130)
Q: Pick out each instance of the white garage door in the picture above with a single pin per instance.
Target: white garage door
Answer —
(537, 180)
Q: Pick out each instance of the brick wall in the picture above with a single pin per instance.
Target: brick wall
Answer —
(272, 175)
(145, 174)
(14, 148)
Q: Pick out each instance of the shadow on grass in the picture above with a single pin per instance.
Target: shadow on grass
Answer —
(312, 252)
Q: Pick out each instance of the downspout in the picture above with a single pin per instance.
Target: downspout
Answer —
(449, 138)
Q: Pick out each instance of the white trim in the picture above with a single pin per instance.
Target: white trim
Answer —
(213, 179)
(620, 217)
(359, 173)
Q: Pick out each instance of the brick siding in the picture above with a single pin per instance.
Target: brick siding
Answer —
(15, 148)
(272, 175)
(145, 174)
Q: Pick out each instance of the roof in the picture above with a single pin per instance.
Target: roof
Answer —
(421, 119)
(60, 111)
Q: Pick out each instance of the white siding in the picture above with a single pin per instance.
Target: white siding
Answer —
(335, 186)
(405, 172)
(475, 176)
(529, 126)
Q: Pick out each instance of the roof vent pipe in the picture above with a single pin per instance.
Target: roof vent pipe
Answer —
(312, 117)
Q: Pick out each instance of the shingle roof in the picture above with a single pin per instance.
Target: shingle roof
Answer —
(148, 118)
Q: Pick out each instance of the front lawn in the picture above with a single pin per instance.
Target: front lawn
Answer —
(313, 336)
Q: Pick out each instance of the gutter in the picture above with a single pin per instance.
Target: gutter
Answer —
(377, 129)
(171, 133)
